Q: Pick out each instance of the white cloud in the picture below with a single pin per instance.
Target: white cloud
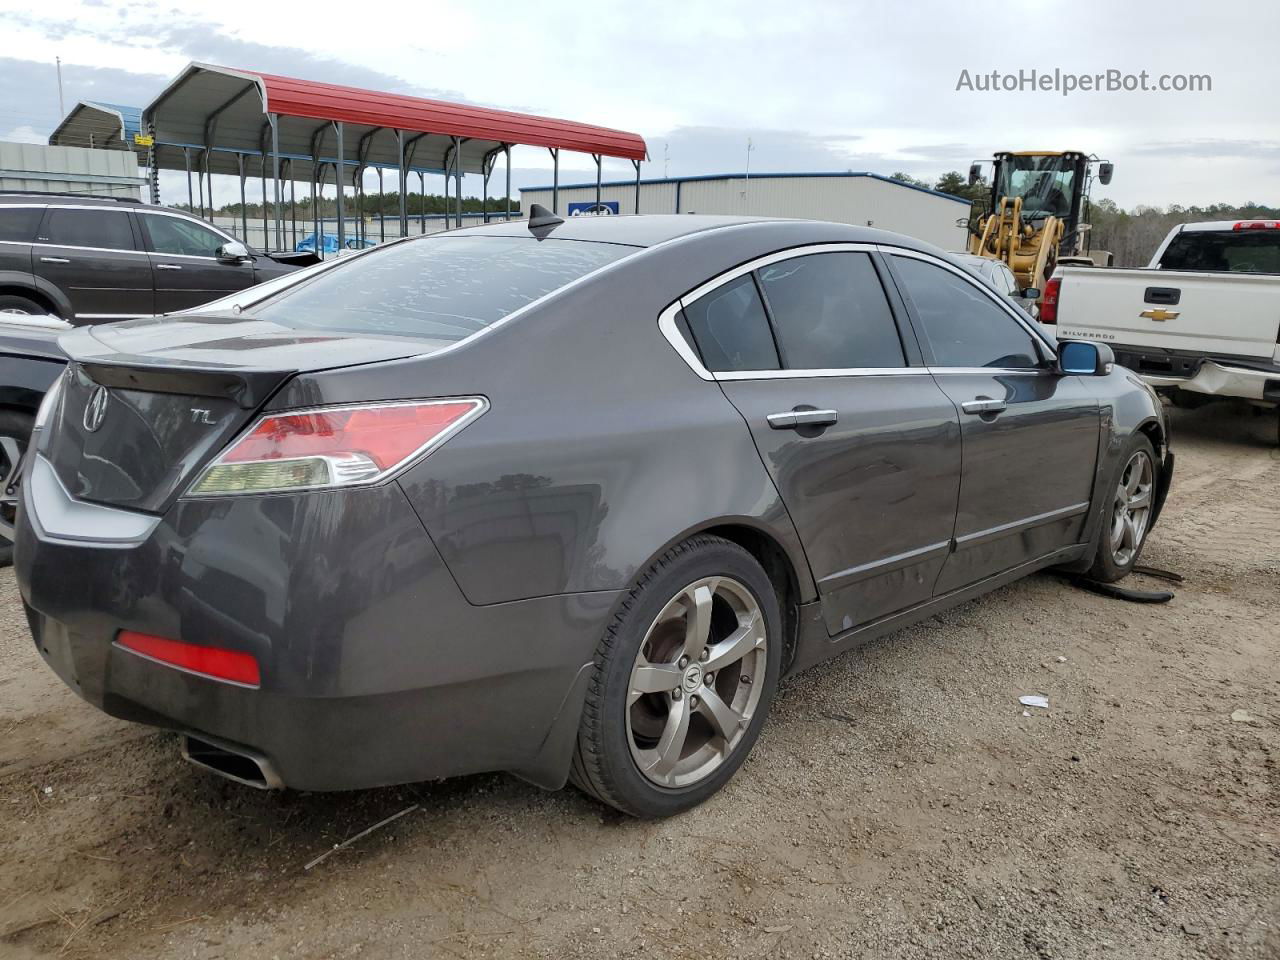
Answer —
(869, 85)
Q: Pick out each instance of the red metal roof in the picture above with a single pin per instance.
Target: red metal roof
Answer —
(291, 97)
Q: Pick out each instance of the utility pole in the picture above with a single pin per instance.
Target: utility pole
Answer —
(61, 106)
(746, 186)
(666, 160)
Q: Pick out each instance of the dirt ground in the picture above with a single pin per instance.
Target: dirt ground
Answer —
(899, 803)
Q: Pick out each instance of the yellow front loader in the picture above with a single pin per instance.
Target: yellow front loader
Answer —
(1037, 212)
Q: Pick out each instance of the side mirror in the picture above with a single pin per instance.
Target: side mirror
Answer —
(233, 251)
(975, 173)
(1084, 358)
(1030, 293)
(1104, 172)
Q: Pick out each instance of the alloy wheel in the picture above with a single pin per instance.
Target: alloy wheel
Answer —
(10, 460)
(1131, 509)
(696, 681)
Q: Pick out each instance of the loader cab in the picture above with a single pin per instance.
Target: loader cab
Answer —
(1049, 184)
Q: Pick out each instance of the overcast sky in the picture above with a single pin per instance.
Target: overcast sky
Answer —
(814, 85)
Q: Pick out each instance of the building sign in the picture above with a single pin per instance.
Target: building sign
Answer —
(144, 140)
(605, 208)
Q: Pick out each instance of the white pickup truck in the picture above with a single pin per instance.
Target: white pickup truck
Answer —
(1203, 318)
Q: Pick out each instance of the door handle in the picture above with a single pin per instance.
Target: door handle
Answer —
(790, 419)
(983, 405)
(54, 260)
(167, 266)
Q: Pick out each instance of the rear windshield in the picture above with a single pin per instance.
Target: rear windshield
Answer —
(1229, 251)
(445, 288)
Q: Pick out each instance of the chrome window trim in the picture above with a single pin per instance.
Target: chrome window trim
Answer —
(67, 246)
(117, 316)
(1018, 315)
(667, 319)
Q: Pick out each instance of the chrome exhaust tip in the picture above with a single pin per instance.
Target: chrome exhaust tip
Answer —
(231, 761)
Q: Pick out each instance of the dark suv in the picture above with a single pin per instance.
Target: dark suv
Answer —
(92, 260)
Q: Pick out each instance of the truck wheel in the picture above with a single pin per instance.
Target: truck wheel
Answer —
(11, 303)
(15, 434)
(1127, 518)
(683, 679)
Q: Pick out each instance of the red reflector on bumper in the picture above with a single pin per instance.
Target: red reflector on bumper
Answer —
(209, 661)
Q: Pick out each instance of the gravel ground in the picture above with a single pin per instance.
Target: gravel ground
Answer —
(899, 803)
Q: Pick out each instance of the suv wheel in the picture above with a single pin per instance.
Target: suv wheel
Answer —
(683, 681)
(12, 304)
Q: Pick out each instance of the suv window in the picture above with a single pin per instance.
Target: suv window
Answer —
(731, 329)
(18, 224)
(172, 235)
(108, 229)
(829, 311)
(963, 326)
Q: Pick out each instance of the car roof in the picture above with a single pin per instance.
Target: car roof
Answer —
(649, 229)
(36, 197)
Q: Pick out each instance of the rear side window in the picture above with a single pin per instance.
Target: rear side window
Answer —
(108, 229)
(18, 224)
(445, 288)
(731, 329)
(1228, 251)
(963, 326)
(830, 312)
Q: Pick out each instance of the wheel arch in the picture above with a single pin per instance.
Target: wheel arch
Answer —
(787, 569)
(37, 289)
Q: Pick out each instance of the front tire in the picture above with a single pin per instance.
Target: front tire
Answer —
(21, 306)
(1129, 512)
(683, 680)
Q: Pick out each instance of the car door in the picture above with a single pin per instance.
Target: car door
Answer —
(93, 256)
(184, 256)
(861, 443)
(1030, 435)
(18, 224)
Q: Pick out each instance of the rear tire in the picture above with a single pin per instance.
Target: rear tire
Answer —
(1130, 507)
(22, 306)
(683, 680)
(15, 434)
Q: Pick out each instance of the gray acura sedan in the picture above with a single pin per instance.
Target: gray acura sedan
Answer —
(565, 499)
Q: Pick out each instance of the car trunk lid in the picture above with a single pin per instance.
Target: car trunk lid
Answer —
(146, 404)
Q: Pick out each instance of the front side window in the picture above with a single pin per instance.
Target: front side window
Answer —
(180, 237)
(829, 312)
(444, 288)
(963, 326)
(730, 328)
(18, 224)
(107, 229)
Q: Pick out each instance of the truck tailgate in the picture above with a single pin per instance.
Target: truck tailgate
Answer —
(1211, 314)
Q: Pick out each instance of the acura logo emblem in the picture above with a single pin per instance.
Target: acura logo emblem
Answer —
(95, 411)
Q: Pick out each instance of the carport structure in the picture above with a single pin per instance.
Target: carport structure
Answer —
(100, 126)
(225, 117)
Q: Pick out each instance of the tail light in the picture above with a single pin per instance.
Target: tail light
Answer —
(1049, 302)
(1257, 225)
(213, 662)
(332, 447)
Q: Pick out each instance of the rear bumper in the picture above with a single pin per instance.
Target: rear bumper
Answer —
(1219, 377)
(375, 669)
